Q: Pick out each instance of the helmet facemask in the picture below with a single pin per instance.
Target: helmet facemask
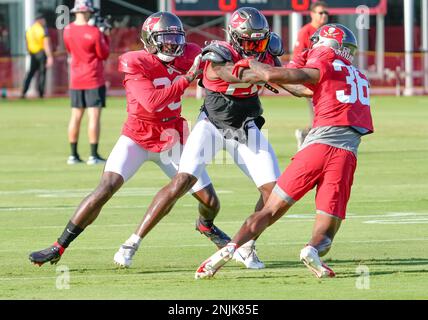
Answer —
(164, 36)
(250, 47)
(169, 44)
(249, 32)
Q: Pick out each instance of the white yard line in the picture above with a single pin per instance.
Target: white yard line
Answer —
(73, 193)
(400, 221)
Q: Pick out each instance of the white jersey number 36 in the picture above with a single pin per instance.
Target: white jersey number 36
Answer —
(357, 84)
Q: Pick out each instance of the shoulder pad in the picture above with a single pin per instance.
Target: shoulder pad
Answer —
(320, 54)
(132, 62)
(185, 61)
(277, 62)
(275, 47)
(217, 53)
(192, 49)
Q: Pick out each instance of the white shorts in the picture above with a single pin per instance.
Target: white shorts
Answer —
(256, 158)
(127, 157)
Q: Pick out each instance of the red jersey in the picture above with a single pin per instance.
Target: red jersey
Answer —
(88, 48)
(153, 92)
(240, 90)
(304, 39)
(342, 95)
(299, 60)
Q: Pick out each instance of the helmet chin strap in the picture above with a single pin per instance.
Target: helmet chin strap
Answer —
(164, 57)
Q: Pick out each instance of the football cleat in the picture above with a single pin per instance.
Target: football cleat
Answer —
(247, 254)
(217, 236)
(74, 160)
(209, 267)
(52, 254)
(94, 160)
(123, 257)
(309, 256)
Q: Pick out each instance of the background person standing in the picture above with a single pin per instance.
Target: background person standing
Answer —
(88, 47)
(39, 48)
(319, 17)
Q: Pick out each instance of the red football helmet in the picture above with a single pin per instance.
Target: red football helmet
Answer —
(338, 37)
(163, 33)
(249, 31)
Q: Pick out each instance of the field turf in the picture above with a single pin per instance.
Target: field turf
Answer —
(379, 253)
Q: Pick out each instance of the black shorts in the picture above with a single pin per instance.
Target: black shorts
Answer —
(88, 98)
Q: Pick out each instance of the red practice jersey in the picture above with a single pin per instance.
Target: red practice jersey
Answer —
(88, 48)
(299, 60)
(240, 90)
(153, 91)
(342, 96)
(304, 39)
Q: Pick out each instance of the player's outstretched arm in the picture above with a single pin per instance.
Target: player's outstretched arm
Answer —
(283, 75)
(224, 71)
(297, 90)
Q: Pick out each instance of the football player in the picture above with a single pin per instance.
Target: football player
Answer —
(230, 119)
(155, 80)
(328, 157)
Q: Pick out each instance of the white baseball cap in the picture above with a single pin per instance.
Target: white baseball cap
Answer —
(83, 6)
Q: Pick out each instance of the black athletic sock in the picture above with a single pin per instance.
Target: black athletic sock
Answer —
(94, 150)
(206, 222)
(74, 149)
(70, 233)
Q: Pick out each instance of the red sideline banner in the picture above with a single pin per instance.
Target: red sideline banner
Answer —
(271, 7)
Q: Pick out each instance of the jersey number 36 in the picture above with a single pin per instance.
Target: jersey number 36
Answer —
(359, 86)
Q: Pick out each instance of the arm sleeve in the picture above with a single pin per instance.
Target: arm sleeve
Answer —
(102, 46)
(151, 98)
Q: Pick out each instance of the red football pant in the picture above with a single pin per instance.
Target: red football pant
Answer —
(329, 168)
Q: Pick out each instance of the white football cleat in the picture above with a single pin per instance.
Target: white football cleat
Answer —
(95, 160)
(309, 256)
(123, 257)
(74, 160)
(209, 267)
(247, 255)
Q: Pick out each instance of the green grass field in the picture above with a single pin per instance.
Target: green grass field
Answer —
(386, 232)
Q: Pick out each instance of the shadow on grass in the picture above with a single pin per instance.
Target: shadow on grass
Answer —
(135, 270)
(388, 263)
(368, 262)
(391, 266)
(384, 261)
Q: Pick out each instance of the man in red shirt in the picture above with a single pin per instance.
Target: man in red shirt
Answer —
(88, 47)
(155, 80)
(319, 17)
(328, 157)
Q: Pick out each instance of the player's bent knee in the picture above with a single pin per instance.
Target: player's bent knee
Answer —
(181, 183)
(108, 186)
